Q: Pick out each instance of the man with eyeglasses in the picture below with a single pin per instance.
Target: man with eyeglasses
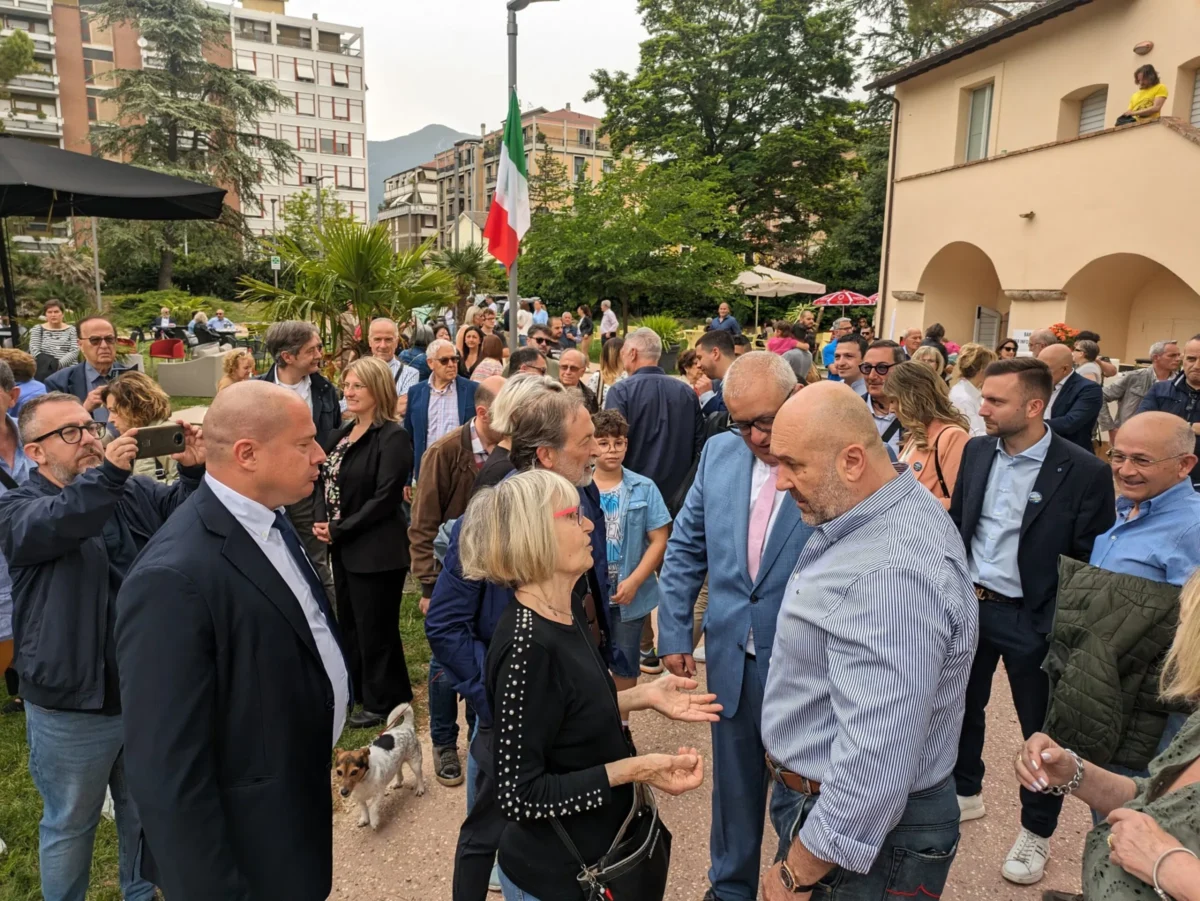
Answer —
(572, 366)
(529, 360)
(70, 534)
(540, 339)
(1179, 396)
(877, 363)
(740, 530)
(98, 344)
(440, 405)
(1025, 496)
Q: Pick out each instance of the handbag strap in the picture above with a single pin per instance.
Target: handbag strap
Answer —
(937, 465)
(7, 481)
(890, 431)
(639, 796)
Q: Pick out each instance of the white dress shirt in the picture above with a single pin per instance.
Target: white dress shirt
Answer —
(967, 399)
(303, 388)
(1053, 397)
(759, 476)
(259, 523)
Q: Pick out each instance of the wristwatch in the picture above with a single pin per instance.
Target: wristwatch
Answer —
(788, 878)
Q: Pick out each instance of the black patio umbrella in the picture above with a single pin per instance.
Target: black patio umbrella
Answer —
(41, 181)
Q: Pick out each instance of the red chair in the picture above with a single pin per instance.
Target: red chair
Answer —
(167, 349)
(127, 344)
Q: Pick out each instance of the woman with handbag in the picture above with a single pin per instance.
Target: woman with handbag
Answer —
(368, 464)
(581, 820)
(937, 432)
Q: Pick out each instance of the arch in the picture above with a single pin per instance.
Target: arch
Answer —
(1184, 98)
(1132, 301)
(957, 279)
(1070, 107)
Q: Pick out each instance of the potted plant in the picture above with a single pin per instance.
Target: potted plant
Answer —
(668, 330)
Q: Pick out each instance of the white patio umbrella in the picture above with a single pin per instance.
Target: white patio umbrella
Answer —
(762, 281)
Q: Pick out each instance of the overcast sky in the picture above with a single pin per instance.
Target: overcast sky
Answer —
(446, 61)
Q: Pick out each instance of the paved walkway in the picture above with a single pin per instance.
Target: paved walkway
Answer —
(411, 857)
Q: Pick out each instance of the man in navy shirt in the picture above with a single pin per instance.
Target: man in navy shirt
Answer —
(1181, 396)
(725, 321)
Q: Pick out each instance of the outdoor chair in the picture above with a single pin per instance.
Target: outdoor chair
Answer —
(166, 349)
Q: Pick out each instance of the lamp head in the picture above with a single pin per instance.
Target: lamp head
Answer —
(517, 5)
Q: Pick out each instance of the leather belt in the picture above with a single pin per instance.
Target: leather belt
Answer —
(986, 594)
(794, 781)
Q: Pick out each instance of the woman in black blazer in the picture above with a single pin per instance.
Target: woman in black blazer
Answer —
(369, 462)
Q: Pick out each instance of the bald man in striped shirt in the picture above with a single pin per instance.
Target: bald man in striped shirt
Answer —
(864, 701)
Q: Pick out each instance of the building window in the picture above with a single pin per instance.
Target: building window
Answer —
(290, 36)
(607, 165)
(341, 76)
(979, 119)
(245, 61)
(308, 173)
(580, 168)
(306, 105)
(308, 139)
(305, 71)
(1196, 101)
(94, 53)
(253, 30)
(1091, 112)
(85, 29)
(93, 115)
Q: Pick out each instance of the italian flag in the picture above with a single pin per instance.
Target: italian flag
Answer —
(508, 219)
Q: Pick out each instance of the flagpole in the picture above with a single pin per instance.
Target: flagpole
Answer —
(514, 296)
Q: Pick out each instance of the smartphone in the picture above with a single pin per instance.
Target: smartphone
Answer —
(160, 441)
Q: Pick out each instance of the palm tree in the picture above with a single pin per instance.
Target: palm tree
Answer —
(471, 267)
(70, 266)
(355, 278)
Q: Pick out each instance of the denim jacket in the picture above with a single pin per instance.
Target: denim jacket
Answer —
(642, 511)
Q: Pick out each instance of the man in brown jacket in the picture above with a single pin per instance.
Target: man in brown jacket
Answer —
(448, 472)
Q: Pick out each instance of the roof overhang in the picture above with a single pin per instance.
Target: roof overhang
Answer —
(1004, 30)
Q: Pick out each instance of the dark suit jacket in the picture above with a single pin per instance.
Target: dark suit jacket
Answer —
(73, 380)
(416, 416)
(1076, 410)
(371, 534)
(326, 404)
(1077, 504)
(228, 717)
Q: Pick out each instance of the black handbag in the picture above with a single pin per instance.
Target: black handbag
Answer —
(635, 867)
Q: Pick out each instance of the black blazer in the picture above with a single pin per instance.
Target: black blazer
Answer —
(228, 717)
(1076, 410)
(371, 535)
(1077, 504)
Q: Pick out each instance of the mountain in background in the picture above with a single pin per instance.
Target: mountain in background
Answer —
(386, 158)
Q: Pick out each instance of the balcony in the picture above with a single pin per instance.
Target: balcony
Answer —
(43, 44)
(34, 9)
(29, 125)
(293, 38)
(34, 83)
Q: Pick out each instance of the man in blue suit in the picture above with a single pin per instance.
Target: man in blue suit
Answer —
(440, 405)
(746, 535)
(85, 380)
(716, 354)
(1075, 402)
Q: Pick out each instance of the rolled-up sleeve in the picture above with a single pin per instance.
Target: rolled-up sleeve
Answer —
(887, 643)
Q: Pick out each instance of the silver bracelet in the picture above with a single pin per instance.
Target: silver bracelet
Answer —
(1069, 787)
(1161, 858)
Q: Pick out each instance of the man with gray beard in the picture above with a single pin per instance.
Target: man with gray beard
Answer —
(70, 534)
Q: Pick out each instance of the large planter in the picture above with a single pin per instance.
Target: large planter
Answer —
(669, 359)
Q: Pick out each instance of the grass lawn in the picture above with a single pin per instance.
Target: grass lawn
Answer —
(21, 808)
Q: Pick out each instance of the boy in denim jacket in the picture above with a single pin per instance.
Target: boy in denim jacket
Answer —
(636, 524)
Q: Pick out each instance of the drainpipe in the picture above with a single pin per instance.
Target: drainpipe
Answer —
(887, 226)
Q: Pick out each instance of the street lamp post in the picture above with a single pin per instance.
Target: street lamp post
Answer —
(514, 296)
(274, 237)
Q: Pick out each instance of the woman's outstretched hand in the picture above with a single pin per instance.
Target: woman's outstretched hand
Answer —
(673, 773)
(672, 697)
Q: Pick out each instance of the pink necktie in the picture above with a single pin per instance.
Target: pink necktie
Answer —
(760, 517)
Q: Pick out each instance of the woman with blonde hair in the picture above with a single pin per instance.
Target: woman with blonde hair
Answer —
(611, 370)
(135, 401)
(238, 367)
(1149, 841)
(565, 763)
(930, 356)
(937, 432)
(201, 318)
(966, 395)
(360, 516)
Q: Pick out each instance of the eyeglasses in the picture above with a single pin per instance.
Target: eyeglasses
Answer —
(97, 340)
(575, 513)
(1116, 458)
(1011, 347)
(881, 368)
(445, 360)
(533, 369)
(764, 425)
(73, 434)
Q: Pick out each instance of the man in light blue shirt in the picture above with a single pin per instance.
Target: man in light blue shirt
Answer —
(1157, 532)
(540, 316)
(220, 324)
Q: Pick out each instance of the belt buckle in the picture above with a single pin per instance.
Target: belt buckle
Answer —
(981, 593)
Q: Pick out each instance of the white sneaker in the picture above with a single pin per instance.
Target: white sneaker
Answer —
(698, 654)
(970, 807)
(1026, 862)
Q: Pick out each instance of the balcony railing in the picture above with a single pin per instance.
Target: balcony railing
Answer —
(43, 85)
(42, 43)
(302, 42)
(38, 8)
(31, 124)
(249, 34)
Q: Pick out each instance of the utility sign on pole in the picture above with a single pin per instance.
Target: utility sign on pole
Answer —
(276, 263)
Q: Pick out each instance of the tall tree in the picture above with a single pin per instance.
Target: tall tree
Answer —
(184, 114)
(472, 269)
(549, 185)
(754, 92)
(298, 216)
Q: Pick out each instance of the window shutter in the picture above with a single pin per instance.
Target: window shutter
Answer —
(1091, 112)
(1196, 101)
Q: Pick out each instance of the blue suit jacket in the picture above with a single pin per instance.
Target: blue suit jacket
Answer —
(1076, 410)
(73, 379)
(710, 537)
(416, 417)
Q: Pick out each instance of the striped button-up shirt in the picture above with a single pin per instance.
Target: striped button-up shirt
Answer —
(874, 645)
(443, 412)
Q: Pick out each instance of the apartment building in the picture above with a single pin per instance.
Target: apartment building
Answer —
(466, 173)
(1016, 203)
(411, 207)
(318, 67)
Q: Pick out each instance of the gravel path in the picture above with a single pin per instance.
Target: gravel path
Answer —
(411, 857)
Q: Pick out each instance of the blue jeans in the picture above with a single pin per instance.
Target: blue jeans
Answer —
(73, 757)
(627, 638)
(443, 709)
(511, 892)
(914, 861)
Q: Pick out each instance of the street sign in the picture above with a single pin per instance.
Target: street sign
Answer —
(276, 263)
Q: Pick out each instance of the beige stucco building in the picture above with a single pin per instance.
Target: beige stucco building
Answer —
(1014, 202)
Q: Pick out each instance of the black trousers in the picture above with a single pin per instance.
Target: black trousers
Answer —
(1005, 633)
(479, 837)
(368, 611)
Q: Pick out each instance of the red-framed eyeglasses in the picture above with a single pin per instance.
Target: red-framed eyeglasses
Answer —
(576, 512)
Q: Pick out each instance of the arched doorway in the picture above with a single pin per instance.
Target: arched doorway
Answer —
(962, 291)
(1132, 301)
